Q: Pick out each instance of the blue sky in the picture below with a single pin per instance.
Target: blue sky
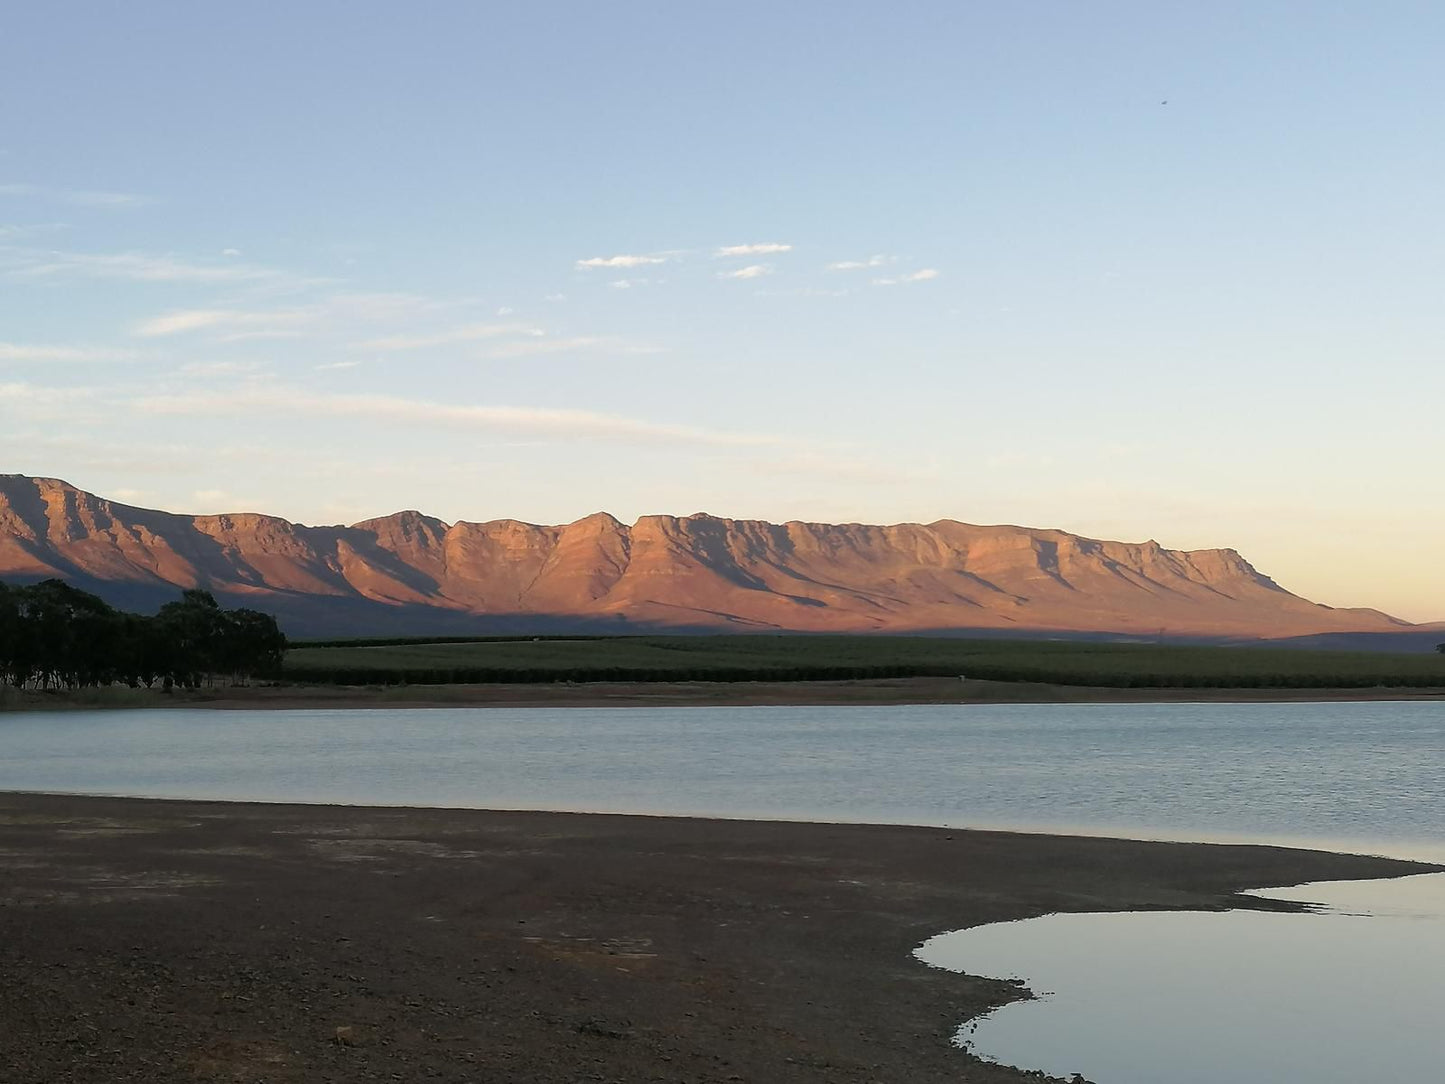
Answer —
(1129, 269)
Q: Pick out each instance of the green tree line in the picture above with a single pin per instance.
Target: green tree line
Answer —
(55, 636)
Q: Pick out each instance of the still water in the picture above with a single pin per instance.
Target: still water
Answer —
(1371, 776)
(1355, 993)
(1346, 995)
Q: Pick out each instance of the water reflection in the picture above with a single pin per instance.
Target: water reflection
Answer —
(1351, 993)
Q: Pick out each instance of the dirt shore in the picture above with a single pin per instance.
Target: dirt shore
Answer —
(160, 941)
(679, 694)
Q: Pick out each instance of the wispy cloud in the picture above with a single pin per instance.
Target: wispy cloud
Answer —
(335, 366)
(101, 199)
(752, 271)
(223, 368)
(18, 393)
(145, 267)
(450, 337)
(37, 352)
(338, 314)
(74, 197)
(234, 323)
(841, 468)
(923, 275)
(761, 248)
(623, 261)
(14, 230)
(215, 502)
(176, 323)
(805, 291)
(562, 345)
(559, 424)
(860, 265)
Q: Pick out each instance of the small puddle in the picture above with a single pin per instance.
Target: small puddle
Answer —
(1355, 991)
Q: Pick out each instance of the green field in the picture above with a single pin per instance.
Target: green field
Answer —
(814, 658)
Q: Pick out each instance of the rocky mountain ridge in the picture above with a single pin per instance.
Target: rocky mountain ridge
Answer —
(412, 573)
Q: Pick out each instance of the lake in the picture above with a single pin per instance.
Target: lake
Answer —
(1347, 776)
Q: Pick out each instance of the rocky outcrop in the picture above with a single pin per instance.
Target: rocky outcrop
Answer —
(414, 573)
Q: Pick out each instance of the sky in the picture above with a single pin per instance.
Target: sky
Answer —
(1128, 269)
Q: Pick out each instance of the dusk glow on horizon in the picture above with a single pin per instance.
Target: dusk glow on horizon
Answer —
(1125, 269)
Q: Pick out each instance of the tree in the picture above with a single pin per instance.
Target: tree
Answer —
(66, 637)
(55, 635)
(248, 643)
(9, 634)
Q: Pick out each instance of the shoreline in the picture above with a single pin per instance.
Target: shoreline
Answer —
(1118, 834)
(161, 940)
(882, 692)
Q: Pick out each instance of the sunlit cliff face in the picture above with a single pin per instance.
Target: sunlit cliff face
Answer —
(696, 571)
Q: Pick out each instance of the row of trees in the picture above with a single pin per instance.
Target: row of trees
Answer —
(55, 636)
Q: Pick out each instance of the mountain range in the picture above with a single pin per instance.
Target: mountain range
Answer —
(413, 574)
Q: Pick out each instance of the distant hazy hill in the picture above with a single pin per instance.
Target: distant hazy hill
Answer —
(411, 573)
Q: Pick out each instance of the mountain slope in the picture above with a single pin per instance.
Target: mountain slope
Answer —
(413, 573)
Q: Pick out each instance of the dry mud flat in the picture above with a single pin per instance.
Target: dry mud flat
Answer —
(184, 941)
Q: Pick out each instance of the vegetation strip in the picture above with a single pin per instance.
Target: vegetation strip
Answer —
(54, 636)
(841, 658)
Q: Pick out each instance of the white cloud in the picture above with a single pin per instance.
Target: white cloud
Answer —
(762, 248)
(923, 275)
(623, 284)
(752, 271)
(860, 265)
(35, 352)
(558, 423)
(505, 310)
(622, 261)
(554, 297)
(336, 365)
(230, 252)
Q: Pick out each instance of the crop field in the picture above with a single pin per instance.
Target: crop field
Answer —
(814, 658)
